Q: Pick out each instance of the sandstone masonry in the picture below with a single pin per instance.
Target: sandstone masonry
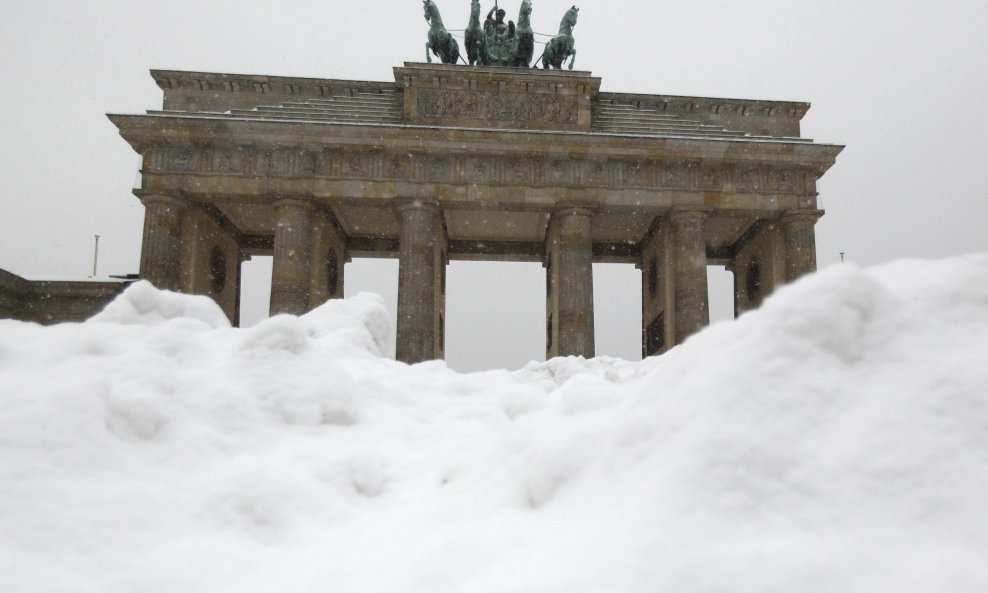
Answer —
(452, 162)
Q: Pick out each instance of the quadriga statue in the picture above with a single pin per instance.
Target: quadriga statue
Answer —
(496, 43)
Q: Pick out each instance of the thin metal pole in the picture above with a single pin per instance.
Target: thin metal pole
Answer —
(95, 255)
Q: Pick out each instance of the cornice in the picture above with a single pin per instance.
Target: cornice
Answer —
(145, 130)
(217, 81)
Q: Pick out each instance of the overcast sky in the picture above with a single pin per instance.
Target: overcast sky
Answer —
(903, 85)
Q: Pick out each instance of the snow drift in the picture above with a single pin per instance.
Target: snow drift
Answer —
(836, 440)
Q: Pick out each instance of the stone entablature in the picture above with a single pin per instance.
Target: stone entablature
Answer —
(474, 163)
(409, 164)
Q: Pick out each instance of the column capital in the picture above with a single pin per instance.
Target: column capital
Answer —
(574, 208)
(294, 202)
(800, 216)
(170, 200)
(410, 204)
(687, 215)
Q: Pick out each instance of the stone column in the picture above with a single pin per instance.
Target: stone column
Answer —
(421, 263)
(799, 239)
(690, 252)
(570, 284)
(658, 291)
(329, 257)
(759, 265)
(292, 254)
(161, 248)
(210, 258)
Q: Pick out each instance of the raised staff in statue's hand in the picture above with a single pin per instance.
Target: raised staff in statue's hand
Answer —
(496, 27)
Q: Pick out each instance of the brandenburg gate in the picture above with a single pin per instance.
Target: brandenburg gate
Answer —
(452, 162)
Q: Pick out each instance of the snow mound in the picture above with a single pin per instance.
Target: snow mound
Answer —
(834, 440)
(143, 304)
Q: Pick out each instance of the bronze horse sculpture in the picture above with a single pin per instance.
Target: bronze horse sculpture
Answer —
(524, 37)
(440, 41)
(475, 38)
(562, 46)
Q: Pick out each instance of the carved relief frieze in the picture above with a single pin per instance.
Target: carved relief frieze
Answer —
(478, 170)
(674, 175)
(554, 169)
(438, 168)
(785, 180)
(749, 179)
(397, 166)
(272, 161)
(596, 173)
(558, 170)
(310, 163)
(353, 165)
(518, 170)
(634, 174)
(226, 160)
(495, 106)
(182, 157)
(708, 178)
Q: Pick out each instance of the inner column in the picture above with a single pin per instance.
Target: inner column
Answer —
(292, 253)
(421, 283)
(689, 244)
(328, 259)
(569, 282)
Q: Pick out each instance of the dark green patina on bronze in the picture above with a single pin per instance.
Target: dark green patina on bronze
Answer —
(499, 43)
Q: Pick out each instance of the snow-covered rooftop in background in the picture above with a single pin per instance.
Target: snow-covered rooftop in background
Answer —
(836, 440)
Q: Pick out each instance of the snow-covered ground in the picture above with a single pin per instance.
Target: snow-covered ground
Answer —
(835, 440)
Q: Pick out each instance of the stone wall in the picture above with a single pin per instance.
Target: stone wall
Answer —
(212, 92)
(755, 117)
(13, 290)
(50, 302)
